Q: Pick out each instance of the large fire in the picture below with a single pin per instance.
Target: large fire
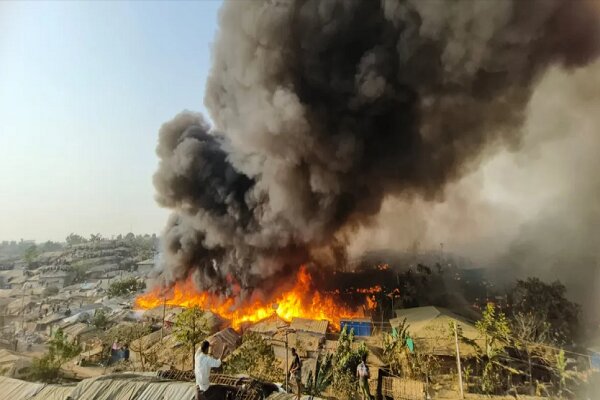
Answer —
(302, 300)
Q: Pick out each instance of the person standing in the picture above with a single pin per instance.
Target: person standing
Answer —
(363, 375)
(203, 364)
(125, 350)
(296, 372)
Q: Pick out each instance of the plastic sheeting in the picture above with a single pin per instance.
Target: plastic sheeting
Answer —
(15, 389)
(132, 387)
(109, 387)
(54, 392)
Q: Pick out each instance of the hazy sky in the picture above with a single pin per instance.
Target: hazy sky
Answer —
(84, 88)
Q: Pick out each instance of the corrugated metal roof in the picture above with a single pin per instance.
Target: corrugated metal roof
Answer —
(310, 325)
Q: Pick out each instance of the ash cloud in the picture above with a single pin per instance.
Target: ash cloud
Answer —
(323, 109)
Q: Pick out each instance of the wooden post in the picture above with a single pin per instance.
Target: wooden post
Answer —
(162, 326)
(531, 389)
(460, 383)
(287, 366)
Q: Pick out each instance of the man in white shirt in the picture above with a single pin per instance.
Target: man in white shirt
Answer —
(203, 365)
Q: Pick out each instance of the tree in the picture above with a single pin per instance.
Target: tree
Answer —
(95, 237)
(100, 319)
(190, 328)
(73, 239)
(530, 332)
(394, 350)
(324, 375)
(345, 360)
(125, 287)
(254, 357)
(30, 254)
(493, 326)
(60, 350)
(77, 274)
(547, 302)
(567, 379)
(51, 246)
(401, 361)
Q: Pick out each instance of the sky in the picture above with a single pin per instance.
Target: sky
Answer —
(84, 89)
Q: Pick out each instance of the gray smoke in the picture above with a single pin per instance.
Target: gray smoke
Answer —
(529, 212)
(323, 109)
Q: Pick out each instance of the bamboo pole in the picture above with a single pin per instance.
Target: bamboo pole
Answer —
(460, 382)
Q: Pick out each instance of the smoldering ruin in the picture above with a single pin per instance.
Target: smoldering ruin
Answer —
(324, 109)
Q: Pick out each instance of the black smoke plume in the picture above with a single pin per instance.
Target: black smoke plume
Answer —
(323, 108)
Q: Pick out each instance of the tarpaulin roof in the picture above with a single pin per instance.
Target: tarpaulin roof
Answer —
(132, 387)
(430, 327)
(12, 364)
(15, 389)
(54, 392)
(109, 387)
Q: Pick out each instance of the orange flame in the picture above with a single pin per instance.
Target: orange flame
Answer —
(372, 290)
(300, 301)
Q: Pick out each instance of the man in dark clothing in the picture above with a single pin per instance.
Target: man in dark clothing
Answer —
(125, 352)
(296, 372)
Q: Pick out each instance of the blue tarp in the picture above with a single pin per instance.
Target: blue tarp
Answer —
(360, 328)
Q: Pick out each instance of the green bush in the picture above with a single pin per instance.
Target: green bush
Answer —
(60, 350)
(125, 287)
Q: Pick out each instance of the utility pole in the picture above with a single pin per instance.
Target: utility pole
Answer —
(460, 383)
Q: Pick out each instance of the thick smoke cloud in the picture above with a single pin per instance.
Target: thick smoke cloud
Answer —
(323, 109)
(529, 212)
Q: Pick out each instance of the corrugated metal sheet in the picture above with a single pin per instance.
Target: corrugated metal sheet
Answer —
(310, 325)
